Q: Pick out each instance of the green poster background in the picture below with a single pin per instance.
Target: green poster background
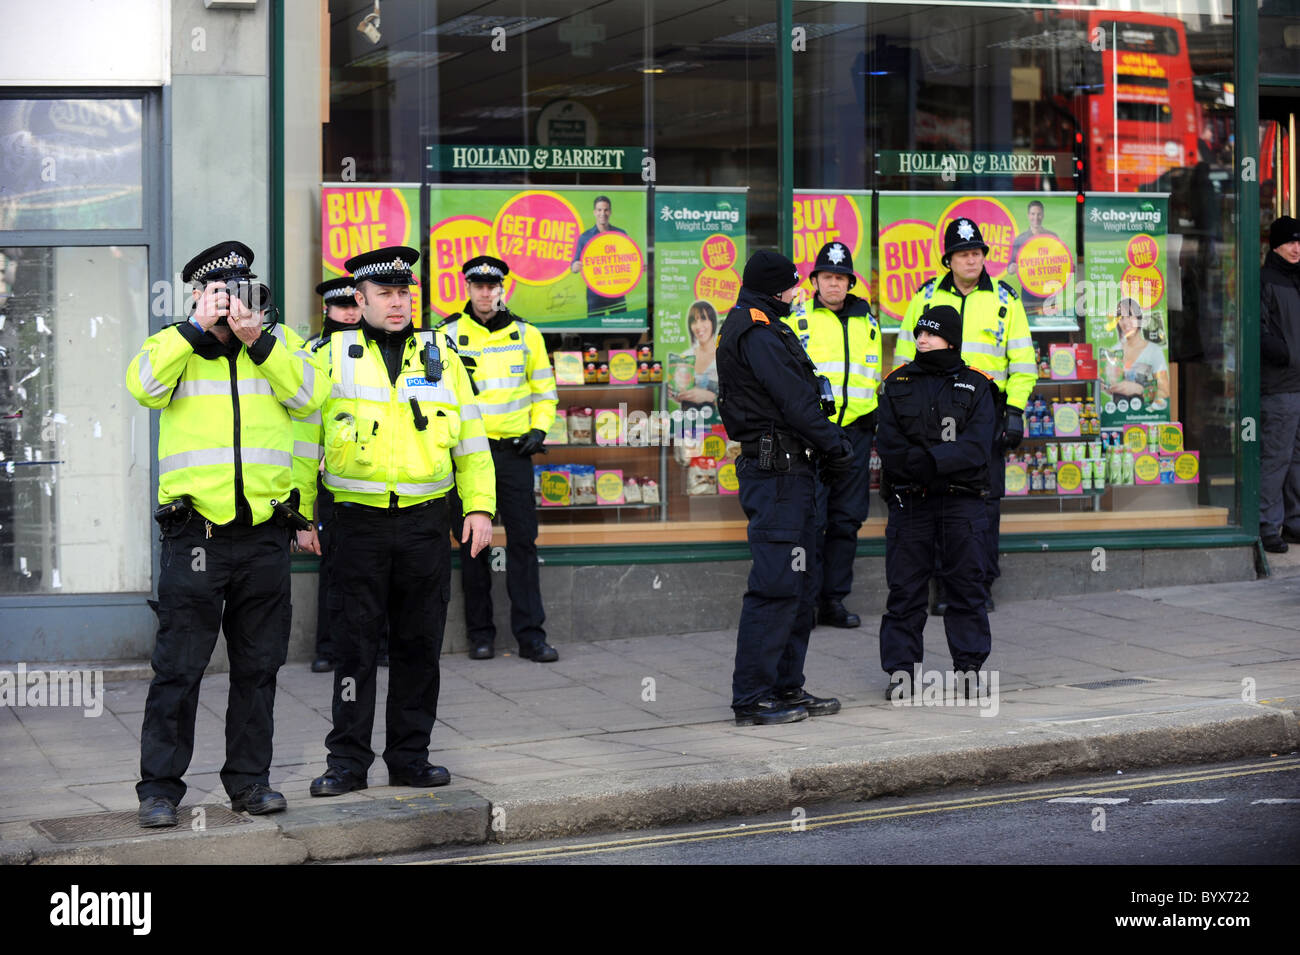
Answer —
(1125, 240)
(691, 227)
(911, 238)
(466, 222)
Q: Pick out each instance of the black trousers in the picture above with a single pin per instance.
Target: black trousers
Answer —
(518, 514)
(238, 581)
(394, 565)
(777, 615)
(842, 506)
(921, 528)
(329, 596)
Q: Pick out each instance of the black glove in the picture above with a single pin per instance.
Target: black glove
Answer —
(534, 442)
(835, 466)
(1013, 427)
(920, 465)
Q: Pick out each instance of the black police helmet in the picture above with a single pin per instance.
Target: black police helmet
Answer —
(960, 235)
(835, 257)
(225, 260)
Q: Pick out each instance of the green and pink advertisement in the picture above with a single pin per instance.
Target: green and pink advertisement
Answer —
(577, 255)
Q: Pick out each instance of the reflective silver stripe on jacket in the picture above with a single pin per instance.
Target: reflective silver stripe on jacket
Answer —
(305, 449)
(1023, 368)
(470, 446)
(469, 412)
(430, 488)
(313, 418)
(516, 405)
(983, 349)
(196, 387)
(152, 386)
(540, 374)
(861, 392)
(1025, 342)
(339, 483)
(547, 395)
(348, 384)
(303, 395)
(490, 384)
(221, 456)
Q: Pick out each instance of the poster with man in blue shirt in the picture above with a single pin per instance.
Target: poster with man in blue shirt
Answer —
(598, 304)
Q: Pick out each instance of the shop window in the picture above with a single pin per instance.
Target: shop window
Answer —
(75, 454)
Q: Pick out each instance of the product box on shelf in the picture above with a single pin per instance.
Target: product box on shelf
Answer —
(1135, 437)
(702, 476)
(1171, 437)
(608, 425)
(609, 487)
(580, 425)
(622, 366)
(1146, 468)
(1069, 477)
(557, 487)
(728, 483)
(1065, 420)
(1017, 479)
(568, 367)
(1185, 466)
(558, 432)
(584, 483)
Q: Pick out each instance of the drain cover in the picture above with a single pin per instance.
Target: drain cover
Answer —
(116, 825)
(1107, 684)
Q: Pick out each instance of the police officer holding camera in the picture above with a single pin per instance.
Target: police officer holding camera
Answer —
(773, 404)
(934, 434)
(229, 389)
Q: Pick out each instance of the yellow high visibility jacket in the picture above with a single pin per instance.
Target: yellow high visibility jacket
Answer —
(994, 333)
(513, 376)
(845, 347)
(226, 429)
(389, 444)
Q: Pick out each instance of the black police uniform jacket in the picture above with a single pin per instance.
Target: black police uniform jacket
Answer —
(766, 381)
(916, 402)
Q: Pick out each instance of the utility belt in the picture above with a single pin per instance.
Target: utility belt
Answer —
(360, 508)
(902, 492)
(866, 422)
(777, 451)
(174, 516)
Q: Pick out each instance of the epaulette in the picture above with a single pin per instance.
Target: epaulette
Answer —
(982, 372)
(1005, 291)
(319, 343)
(756, 315)
(450, 344)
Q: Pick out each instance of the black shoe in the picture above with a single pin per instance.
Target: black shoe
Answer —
(1275, 545)
(156, 812)
(257, 800)
(541, 652)
(420, 775)
(815, 705)
(322, 665)
(900, 686)
(482, 651)
(834, 614)
(336, 782)
(768, 712)
(1290, 536)
(968, 684)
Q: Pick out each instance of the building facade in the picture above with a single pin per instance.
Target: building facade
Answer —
(626, 158)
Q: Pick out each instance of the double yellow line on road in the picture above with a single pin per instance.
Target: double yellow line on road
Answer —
(1285, 764)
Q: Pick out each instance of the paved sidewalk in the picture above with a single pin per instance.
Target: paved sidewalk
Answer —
(634, 732)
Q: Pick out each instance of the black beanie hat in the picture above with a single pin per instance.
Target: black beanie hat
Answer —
(944, 321)
(770, 273)
(1284, 230)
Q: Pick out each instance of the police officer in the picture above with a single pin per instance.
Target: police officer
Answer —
(935, 437)
(400, 414)
(506, 357)
(995, 339)
(770, 402)
(228, 388)
(842, 338)
(338, 299)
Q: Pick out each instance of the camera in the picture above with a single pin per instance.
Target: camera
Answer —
(254, 295)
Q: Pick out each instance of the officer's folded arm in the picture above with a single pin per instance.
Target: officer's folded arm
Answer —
(970, 448)
(799, 404)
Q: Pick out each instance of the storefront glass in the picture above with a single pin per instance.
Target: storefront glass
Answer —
(652, 129)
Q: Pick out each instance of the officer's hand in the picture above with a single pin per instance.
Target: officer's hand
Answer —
(920, 465)
(477, 532)
(214, 303)
(1013, 428)
(835, 466)
(244, 322)
(309, 542)
(534, 442)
